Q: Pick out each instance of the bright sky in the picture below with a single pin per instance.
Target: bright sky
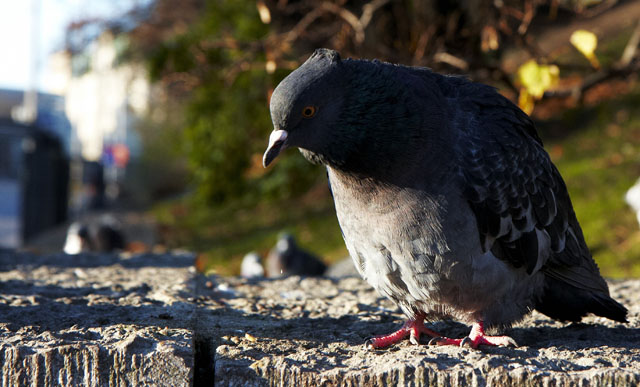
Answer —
(17, 27)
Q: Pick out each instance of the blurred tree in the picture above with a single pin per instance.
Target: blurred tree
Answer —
(211, 56)
(222, 58)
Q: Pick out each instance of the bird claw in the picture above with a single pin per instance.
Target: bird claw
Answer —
(413, 328)
(368, 343)
(508, 342)
(437, 341)
(475, 339)
(468, 343)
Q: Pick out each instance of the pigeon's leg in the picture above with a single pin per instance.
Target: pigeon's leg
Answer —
(413, 328)
(476, 337)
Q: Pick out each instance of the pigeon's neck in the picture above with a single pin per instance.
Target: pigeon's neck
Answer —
(362, 188)
(393, 121)
(431, 171)
(398, 158)
(393, 125)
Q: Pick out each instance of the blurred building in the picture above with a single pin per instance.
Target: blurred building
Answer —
(103, 97)
(103, 100)
(50, 114)
(34, 166)
(34, 177)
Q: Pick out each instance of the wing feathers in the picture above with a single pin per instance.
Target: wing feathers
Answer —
(519, 199)
(522, 207)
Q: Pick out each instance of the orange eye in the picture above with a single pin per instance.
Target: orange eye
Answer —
(308, 111)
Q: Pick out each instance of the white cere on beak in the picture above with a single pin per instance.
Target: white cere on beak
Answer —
(277, 135)
(277, 143)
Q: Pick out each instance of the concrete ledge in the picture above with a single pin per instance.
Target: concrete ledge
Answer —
(96, 320)
(310, 332)
(151, 320)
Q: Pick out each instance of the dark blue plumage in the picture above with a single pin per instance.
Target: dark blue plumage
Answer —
(448, 203)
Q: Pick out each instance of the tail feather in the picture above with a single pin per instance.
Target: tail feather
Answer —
(562, 301)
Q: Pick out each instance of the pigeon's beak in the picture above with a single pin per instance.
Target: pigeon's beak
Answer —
(277, 143)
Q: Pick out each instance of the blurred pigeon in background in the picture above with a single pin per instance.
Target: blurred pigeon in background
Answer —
(447, 201)
(251, 266)
(77, 239)
(633, 198)
(101, 235)
(286, 258)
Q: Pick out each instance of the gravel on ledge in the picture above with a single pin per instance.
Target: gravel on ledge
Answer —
(119, 320)
(96, 319)
(310, 331)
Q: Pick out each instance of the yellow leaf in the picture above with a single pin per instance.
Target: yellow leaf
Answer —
(525, 101)
(537, 78)
(263, 11)
(270, 66)
(586, 42)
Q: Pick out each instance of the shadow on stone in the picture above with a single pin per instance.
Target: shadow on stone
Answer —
(8, 260)
(303, 331)
(96, 320)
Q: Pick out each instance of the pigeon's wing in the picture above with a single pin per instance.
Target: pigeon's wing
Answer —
(519, 199)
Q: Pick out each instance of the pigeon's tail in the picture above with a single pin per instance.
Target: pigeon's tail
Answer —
(566, 302)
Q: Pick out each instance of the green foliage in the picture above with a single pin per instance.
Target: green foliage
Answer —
(227, 116)
(212, 55)
(214, 65)
(598, 154)
(161, 170)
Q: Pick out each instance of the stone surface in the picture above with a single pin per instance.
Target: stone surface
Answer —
(96, 320)
(311, 331)
(109, 320)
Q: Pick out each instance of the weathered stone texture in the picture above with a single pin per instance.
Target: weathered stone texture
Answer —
(150, 320)
(96, 320)
(310, 332)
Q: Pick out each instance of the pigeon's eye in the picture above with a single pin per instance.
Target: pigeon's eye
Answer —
(308, 111)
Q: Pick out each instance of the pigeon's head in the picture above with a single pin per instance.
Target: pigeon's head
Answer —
(78, 239)
(305, 104)
(355, 115)
(285, 243)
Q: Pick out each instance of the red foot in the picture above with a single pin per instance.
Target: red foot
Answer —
(412, 328)
(476, 338)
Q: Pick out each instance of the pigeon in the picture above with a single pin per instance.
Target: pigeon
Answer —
(447, 201)
(632, 197)
(286, 258)
(77, 239)
(251, 266)
(102, 235)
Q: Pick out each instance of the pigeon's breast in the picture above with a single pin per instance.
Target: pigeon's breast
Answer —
(395, 236)
(413, 248)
